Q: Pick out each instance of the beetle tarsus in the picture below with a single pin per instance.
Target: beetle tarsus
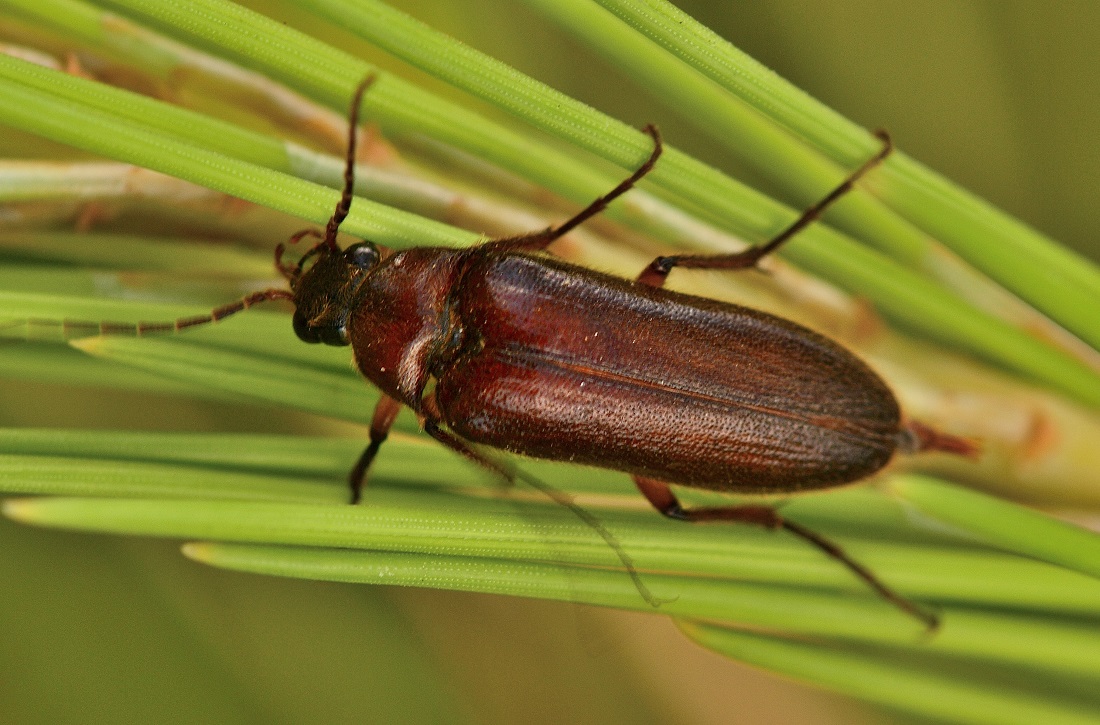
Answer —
(358, 475)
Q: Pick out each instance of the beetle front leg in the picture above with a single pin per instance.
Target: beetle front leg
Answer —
(384, 415)
(660, 495)
(657, 272)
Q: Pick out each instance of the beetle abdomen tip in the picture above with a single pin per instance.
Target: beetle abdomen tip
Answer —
(916, 437)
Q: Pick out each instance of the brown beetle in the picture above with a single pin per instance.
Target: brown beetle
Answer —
(539, 357)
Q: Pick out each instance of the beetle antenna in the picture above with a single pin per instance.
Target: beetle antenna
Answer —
(80, 328)
(72, 329)
(293, 273)
(344, 205)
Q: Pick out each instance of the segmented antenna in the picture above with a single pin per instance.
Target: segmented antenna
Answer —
(340, 213)
(344, 205)
(81, 328)
(71, 329)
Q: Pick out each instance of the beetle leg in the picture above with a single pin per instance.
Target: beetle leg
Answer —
(432, 419)
(456, 444)
(432, 426)
(537, 241)
(384, 414)
(655, 274)
(660, 495)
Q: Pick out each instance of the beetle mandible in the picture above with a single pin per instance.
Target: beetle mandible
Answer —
(539, 357)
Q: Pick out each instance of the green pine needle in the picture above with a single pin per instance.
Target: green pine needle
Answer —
(1018, 592)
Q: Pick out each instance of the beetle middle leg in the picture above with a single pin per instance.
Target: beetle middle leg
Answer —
(660, 495)
(657, 272)
(540, 240)
(433, 426)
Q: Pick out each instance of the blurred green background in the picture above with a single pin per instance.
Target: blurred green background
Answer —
(999, 96)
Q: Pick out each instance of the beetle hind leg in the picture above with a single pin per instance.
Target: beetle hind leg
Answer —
(664, 500)
(657, 272)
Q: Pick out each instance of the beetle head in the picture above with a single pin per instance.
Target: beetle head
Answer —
(328, 291)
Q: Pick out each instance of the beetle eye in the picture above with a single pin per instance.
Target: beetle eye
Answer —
(329, 334)
(363, 255)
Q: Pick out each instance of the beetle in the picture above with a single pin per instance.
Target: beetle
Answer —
(504, 346)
